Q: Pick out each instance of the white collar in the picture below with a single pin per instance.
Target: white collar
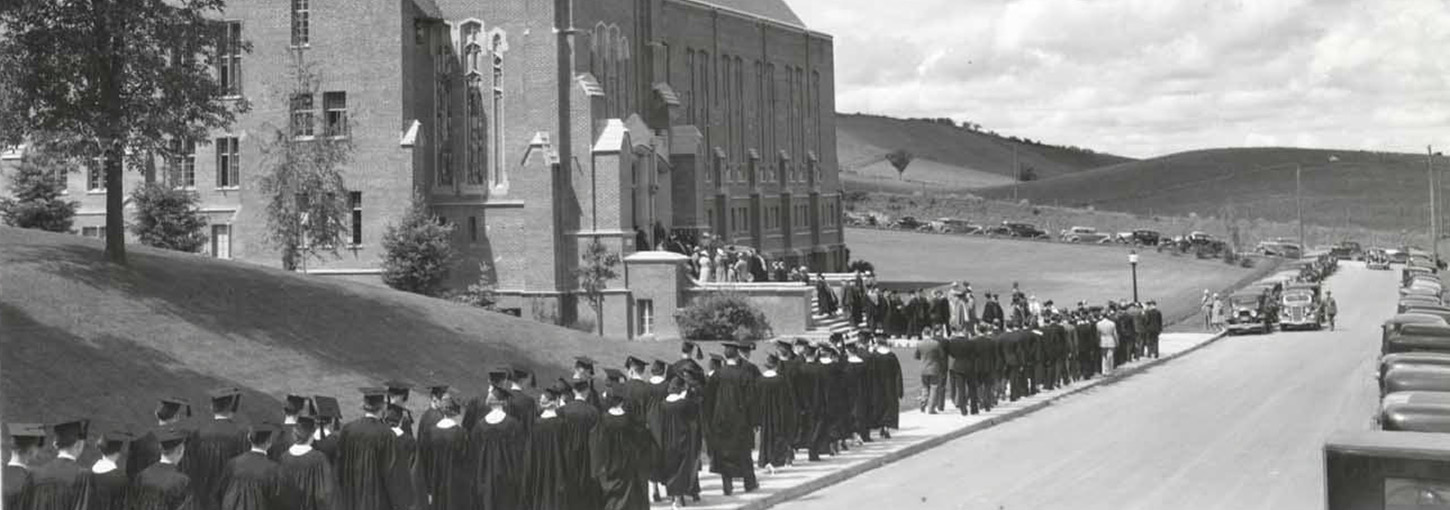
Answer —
(15, 461)
(881, 349)
(298, 450)
(165, 460)
(674, 397)
(732, 361)
(446, 423)
(65, 455)
(767, 373)
(515, 387)
(854, 359)
(826, 361)
(398, 431)
(616, 411)
(495, 416)
(656, 379)
(548, 413)
(289, 420)
(262, 451)
(103, 465)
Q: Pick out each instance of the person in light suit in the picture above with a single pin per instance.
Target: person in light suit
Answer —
(1108, 338)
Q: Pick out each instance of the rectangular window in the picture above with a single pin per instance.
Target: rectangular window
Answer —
(228, 163)
(335, 104)
(229, 58)
(472, 229)
(354, 200)
(221, 241)
(302, 113)
(93, 232)
(96, 175)
(183, 164)
(646, 309)
(300, 14)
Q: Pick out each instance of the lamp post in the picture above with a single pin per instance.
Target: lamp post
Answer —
(1133, 262)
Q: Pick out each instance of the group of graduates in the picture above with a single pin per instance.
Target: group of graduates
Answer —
(577, 445)
(1007, 361)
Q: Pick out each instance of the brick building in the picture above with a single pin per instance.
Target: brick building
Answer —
(535, 127)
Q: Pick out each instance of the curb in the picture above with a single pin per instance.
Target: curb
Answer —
(853, 471)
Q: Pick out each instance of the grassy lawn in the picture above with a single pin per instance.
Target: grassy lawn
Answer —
(1064, 273)
(82, 338)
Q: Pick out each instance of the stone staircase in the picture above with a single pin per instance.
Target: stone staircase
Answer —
(823, 326)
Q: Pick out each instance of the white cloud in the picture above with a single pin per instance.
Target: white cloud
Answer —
(1149, 77)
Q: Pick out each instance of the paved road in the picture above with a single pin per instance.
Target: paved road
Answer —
(1238, 425)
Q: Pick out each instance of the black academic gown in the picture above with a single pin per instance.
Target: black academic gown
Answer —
(426, 423)
(889, 382)
(522, 406)
(545, 477)
(17, 486)
(837, 411)
(249, 482)
(60, 484)
(307, 481)
(675, 426)
(803, 381)
(108, 490)
(444, 469)
(366, 453)
(215, 443)
(579, 420)
(621, 453)
(732, 416)
(776, 409)
(857, 379)
(636, 394)
(160, 487)
(281, 441)
(497, 458)
(403, 480)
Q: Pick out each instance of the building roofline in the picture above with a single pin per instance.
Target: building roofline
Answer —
(756, 17)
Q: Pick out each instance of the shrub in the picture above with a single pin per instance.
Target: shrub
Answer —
(722, 317)
(168, 218)
(36, 186)
(860, 265)
(417, 252)
(480, 293)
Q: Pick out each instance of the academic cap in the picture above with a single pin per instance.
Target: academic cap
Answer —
(374, 396)
(24, 435)
(261, 432)
(746, 346)
(613, 374)
(802, 342)
(519, 373)
(584, 362)
(784, 344)
(437, 389)
(691, 348)
(115, 439)
(295, 404)
(499, 374)
(307, 424)
(225, 399)
(170, 437)
(399, 388)
(714, 356)
(632, 361)
(67, 433)
(171, 406)
(658, 367)
(559, 387)
(327, 408)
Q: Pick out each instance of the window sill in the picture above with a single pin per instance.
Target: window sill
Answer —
(304, 138)
(95, 192)
(231, 97)
(228, 188)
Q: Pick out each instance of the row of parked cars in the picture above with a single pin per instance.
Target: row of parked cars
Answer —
(1287, 300)
(1414, 367)
(1019, 229)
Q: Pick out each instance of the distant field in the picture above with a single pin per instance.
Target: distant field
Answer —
(862, 142)
(1387, 192)
(82, 338)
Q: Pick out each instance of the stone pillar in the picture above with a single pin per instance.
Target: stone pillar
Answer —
(659, 277)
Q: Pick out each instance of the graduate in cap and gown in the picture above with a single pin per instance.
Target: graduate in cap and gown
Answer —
(215, 443)
(293, 406)
(146, 450)
(162, 485)
(634, 389)
(776, 407)
(307, 479)
(857, 379)
(398, 393)
(403, 477)
(829, 405)
(329, 423)
(688, 365)
(803, 381)
(584, 371)
(889, 384)
(522, 405)
(443, 467)
(621, 454)
(675, 424)
(732, 418)
(367, 452)
(110, 481)
(613, 384)
(26, 442)
(250, 481)
(582, 490)
(61, 484)
(545, 477)
(430, 417)
(496, 453)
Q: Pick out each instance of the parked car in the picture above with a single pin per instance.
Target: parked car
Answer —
(1083, 235)
(907, 223)
(961, 226)
(1377, 259)
(1300, 308)
(1027, 230)
(1278, 248)
(1248, 312)
(1147, 237)
(1398, 256)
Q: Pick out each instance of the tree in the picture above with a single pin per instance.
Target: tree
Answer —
(307, 208)
(168, 218)
(1028, 174)
(113, 79)
(37, 185)
(417, 251)
(600, 265)
(722, 316)
(900, 158)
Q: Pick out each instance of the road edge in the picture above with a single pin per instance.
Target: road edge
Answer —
(858, 469)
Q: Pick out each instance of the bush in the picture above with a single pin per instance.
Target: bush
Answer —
(1246, 262)
(480, 293)
(417, 252)
(722, 317)
(860, 265)
(37, 185)
(168, 218)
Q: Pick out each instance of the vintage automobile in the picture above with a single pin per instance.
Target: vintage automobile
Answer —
(1409, 272)
(1279, 248)
(1415, 411)
(1377, 259)
(1416, 301)
(1016, 229)
(1083, 235)
(1147, 237)
(1415, 378)
(1347, 250)
(1248, 311)
(1398, 256)
(1392, 326)
(1419, 338)
(907, 223)
(1440, 311)
(1412, 359)
(1300, 308)
(961, 226)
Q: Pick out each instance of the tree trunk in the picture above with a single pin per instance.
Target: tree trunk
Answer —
(115, 209)
(111, 70)
(599, 315)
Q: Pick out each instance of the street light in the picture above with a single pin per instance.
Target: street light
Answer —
(1133, 262)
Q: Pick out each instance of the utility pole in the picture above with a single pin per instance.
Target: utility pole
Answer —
(1299, 203)
(1434, 220)
(1016, 174)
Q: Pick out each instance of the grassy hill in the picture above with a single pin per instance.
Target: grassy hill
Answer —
(945, 155)
(82, 338)
(1340, 188)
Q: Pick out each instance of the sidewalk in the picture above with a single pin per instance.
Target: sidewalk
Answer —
(919, 432)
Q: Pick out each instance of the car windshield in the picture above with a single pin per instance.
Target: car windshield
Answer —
(1242, 301)
(1297, 298)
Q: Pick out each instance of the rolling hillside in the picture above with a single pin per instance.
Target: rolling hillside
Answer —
(1340, 188)
(82, 338)
(945, 155)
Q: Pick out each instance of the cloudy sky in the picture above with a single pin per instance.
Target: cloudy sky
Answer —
(1149, 77)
